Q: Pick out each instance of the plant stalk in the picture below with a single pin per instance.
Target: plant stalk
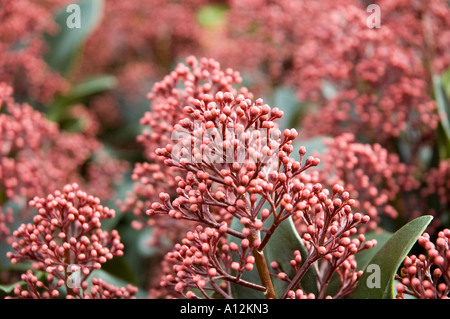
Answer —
(263, 271)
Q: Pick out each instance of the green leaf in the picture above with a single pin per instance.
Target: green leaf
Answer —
(363, 258)
(64, 46)
(443, 109)
(6, 290)
(389, 258)
(143, 243)
(79, 94)
(132, 240)
(240, 292)
(280, 248)
(120, 193)
(90, 86)
(446, 81)
(119, 267)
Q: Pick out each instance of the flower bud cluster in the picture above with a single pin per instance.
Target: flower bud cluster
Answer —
(37, 157)
(205, 260)
(427, 276)
(65, 233)
(169, 97)
(370, 174)
(250, 175)
(236, 186)
(329, 230)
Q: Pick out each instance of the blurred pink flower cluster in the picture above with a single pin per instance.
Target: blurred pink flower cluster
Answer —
(379, 78)
(375, 83)
(372, 175)
(66, 233)
(138, 42)
(36, 157)
(22, 49)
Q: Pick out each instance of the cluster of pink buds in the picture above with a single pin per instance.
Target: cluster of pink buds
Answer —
(235, 175)
(236, 165)
(37, 157)
(169, 97)
(204, 261)
(6, 219)
(49, 288)
(328, 226)
(373, 176)
(65, 237)
(437, 181)
(22, 49)
(427, 277)
(102, 290)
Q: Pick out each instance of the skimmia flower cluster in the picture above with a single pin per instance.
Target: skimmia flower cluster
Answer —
(66, 237)
(330, 238)
(128, 45)
(372, 82)
(36, 157)
(237, 166)
(437, 189)
(375, 83)
(22, 48)
(169, 97)
(372, 175)
(39, 289)
(427, 277)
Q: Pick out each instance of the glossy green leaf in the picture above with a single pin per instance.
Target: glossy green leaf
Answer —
(363, 258)
(284, 241)
(65, 44)
(389, 258)
(446, 81)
